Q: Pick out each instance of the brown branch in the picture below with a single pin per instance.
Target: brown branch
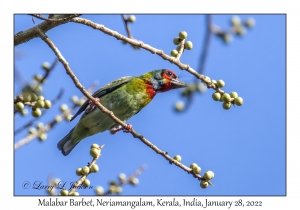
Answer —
(206, 43)
(181, 49)
(43, 112)
(129, 35)
(148, 48)
(55, 20)
(45, 38)
(83, 177)
(25, 36)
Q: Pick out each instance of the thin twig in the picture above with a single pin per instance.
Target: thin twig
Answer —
(55, 20)
(46, 39)
(148, 48)
(206, 43)
(129, 35)
(83, 177)
(181, 49)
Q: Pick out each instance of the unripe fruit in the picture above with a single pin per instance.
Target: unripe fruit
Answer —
(32, 130)
(182, 35)
(188, 45)
(46, 66)
(95, 146)
(42, 136)
(174, 53)
(226, 105)
(68, 117)
(118, 190)
(178, 158)
(238, 101)
(40, 126)
(225, 97)
(233, 95)
(131, 18)
(85, 170)
(26, 96)
(239, 30)
(94, 168)
(197, 170)
(99, 190)
(220, 83)
(86, 183)
(78, 172)
(235, 20)
(74, 194)
(24, 112)
(64, 192)
(80, 102)
(39, 104)
(19, 106)
(179, 106)
(134, 181)
(216, 96)
(37, 77)
(203, 184)
(41, 98)
(94, 152)
(176, 41)
(63, 107)
(33, 97)
(193, 165)
(74, 99)
(112, 182)
(47, 104)
(214, 82)
(58, 118)
(122, 177)
(250, 22)
(227, 38)
(178, 48)
(36, 113)
(208, 175)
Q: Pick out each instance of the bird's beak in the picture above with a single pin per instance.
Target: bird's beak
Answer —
(177, 84)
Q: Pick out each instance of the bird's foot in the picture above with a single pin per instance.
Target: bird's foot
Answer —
(117, 128)
(92, 105)
(127, 129)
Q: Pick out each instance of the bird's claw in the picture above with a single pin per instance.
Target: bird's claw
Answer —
(92, 104)
(127, 129)
(116, 129)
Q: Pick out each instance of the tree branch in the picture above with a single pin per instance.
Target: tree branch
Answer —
(45, 38)
(55, 19)
(25, 36)
(148, 48)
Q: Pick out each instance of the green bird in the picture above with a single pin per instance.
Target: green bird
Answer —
(125, 97)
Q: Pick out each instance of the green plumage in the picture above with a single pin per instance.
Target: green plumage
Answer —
(125, 97)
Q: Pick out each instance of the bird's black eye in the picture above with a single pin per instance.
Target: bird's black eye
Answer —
(170, 74)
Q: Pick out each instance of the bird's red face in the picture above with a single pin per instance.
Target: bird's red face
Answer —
(169, 81)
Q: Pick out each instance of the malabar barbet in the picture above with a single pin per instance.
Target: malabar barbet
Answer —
(125, 97)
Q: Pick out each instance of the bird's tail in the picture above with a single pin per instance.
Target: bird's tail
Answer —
(66, 145)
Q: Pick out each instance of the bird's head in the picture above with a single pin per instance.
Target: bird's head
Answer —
(163, 80)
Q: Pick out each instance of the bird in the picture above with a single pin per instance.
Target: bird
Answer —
(125, 97)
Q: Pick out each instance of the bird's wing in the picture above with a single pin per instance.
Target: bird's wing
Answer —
(103, 91)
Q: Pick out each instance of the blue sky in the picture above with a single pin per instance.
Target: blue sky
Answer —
(245, 146)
